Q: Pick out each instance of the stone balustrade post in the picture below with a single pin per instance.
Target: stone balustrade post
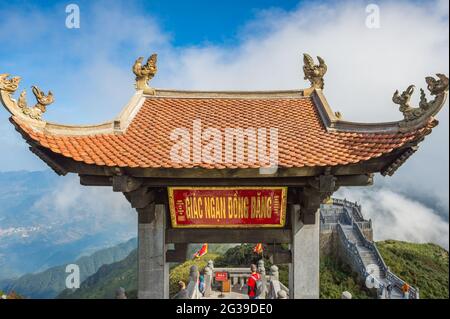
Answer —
(192, 287)
(208, 281)
(120, 293)
(274, 272)
(262, 272)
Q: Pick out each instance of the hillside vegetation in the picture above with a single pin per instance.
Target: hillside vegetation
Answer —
(181, 272)
(104, 283)
(336, 278)
(422, 265)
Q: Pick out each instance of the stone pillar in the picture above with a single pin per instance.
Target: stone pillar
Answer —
(304, 269)
(274, 274)
(192, 287)
(262, 272)
(208, 281)
(153, 271)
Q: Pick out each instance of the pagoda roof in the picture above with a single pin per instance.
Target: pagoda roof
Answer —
(310, 135)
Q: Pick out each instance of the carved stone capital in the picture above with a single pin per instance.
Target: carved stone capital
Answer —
(141, 197)
(146, 215)
(311, 197)
(125, 183)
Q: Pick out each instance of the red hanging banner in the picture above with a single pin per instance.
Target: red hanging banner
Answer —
(227, 207)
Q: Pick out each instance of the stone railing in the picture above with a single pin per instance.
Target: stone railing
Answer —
(327, 227)
(398, 282)
(358, 227)
(237, 276)
(365, 224)
(356, 209)
(352, 253)
(273, 288)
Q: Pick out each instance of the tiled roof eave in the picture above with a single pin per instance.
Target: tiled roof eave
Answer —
(103, 160)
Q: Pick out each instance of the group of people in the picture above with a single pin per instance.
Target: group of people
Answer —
(405, 291)
(196, 286)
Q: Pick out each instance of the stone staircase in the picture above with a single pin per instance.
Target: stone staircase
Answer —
(363, 253)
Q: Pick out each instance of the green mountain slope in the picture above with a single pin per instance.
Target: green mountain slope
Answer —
(424, 265)
(104, 283)
(336, 278)
(51, 282)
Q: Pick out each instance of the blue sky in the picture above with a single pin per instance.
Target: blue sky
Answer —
(186, 22)
(222, 45)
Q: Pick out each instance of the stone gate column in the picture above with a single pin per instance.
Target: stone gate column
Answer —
(153, 271)
(305, 220)
(304, 269)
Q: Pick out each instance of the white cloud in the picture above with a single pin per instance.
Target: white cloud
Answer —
(365, 67)
(396, 216)
(88, 209)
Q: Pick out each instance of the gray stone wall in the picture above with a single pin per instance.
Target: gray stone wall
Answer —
(328, 243)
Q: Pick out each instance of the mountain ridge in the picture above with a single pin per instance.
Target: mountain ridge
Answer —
(49, 283)
(423, 265)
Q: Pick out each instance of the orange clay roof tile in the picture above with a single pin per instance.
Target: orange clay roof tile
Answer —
(302, 137)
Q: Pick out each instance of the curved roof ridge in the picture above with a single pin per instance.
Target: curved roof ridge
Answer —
(414, 117)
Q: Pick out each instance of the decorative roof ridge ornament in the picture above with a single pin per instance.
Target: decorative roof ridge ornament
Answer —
(40, 107)
(414, 116)
(314, 72)
(8, 87)
(145, 72)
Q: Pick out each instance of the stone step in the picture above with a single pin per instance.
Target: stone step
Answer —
(396, 294)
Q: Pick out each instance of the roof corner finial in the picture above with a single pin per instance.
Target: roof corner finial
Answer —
(414, 116)
(145, 72)
(8, 86)
(313, 72)
(40, 107)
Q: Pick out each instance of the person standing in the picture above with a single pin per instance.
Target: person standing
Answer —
(389, 291)
(405, 289)
(201, 282)
(254, 283)
(182, 293)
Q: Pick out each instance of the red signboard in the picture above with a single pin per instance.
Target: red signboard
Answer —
(221, 276)
(227, 207)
